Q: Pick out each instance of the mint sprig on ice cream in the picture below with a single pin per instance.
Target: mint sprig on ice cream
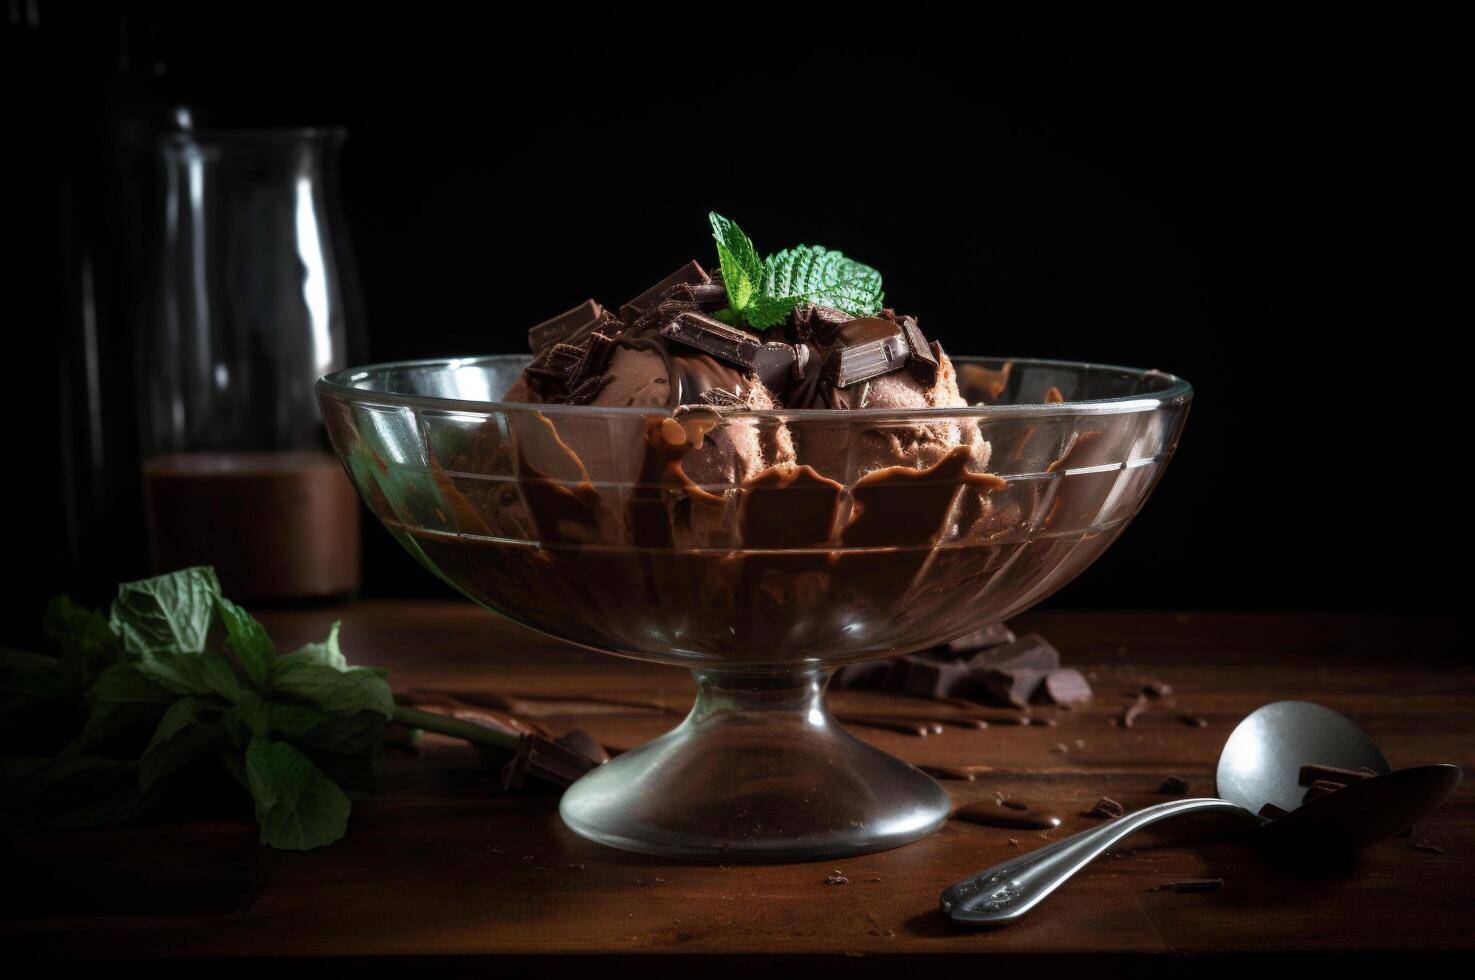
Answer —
(762, 292)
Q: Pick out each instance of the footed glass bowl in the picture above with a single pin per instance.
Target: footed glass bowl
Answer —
(761, 549)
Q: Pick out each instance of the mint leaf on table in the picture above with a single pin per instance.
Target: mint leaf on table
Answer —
(741, 268)
(247, 640)
(339, 691)
(297, 806)
(326, 654)
(162, 620)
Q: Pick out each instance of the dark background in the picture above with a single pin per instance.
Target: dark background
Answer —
(1259, 203)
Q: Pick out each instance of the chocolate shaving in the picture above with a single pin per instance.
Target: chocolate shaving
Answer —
(1193, 885)
(816, 323)
(836, 878)
(1129, 715)
(1174, 786)
(557, 362)
(1156, 689)
(1106, 808)
(588, 389)
(1425, 846)
(1311, 772)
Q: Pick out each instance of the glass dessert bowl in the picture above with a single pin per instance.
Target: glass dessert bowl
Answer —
(664, 534)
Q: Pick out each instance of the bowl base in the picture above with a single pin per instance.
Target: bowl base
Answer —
(759, 771)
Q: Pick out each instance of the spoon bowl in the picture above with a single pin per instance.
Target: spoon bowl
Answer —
(1260, 764)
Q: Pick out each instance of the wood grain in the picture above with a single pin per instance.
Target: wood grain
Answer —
(441, 865)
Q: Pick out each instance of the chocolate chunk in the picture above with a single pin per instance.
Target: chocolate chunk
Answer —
(721, 398)
(1311, 772)
(932, 676)
(811, 322)
(1174, 786)
(1106, 808)
(777, 366)
(923, 363)
(1067, 688)
(556, 362)
(990, 636)
(546, 760)
(584, 744)
(568, 327)
(836, 878)
(867, 674)
(709, 297)
(598, 351)
(1320, 788)
(1272, 812)
(1193, 885)
(850, 363)
(587, 390)
(731, 344)
(690, 274)
(1156, 689)
(1193, 721)
(1011, 673)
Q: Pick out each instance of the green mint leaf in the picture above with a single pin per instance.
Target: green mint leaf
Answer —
(68, 791)
(769, 311)
(741, 268)
(124, 683)
(339, 691)
(326, 654)
(247, 640)
(83, 635)
(814, 274)
(297, 806)
(161, 620)
(254, 713)
(189, 731)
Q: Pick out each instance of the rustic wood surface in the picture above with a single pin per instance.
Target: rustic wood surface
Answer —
(443, 868)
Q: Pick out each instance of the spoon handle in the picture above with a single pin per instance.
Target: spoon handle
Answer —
(1006, 891)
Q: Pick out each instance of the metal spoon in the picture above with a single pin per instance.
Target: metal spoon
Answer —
(1260, 764)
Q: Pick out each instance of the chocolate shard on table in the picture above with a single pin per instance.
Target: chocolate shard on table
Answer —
(1174, 786)
(1067, 687)
(866, 674)
(1013, 672)
(554, 761)
(1106, 808)
(932, 676)
(990, 636)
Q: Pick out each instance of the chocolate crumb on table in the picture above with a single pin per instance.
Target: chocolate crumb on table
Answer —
(1129, 714)
(1106, 808)
(1193, 885)
(836, 877)
(1193, 721)
(1156, 689)
(1174, 786)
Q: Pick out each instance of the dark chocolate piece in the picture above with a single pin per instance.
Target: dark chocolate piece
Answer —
(811, 322)
(931, 676)
(836, 878)
(557, 362)
(568, 327)
(587, 390)
(1311, 772)
(1425, 846)
(584, 744)
(867, 674)
(546, 760)
(1193, 885)
(1012, 672)
(1193, 721)
(598, 351)
(966, 773)
(923, 363)
(690, 274)
(1106, 808)
(1320, 788)
(1156, 689)
(903, 726)
(727, 343)
(990, 636)
(1174, 786)
(721, 398)
(994, 815)
(1067, 687)
(1272, 812)
(777, 366)
(851, 363)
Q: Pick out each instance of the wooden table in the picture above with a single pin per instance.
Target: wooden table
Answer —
(443, 868)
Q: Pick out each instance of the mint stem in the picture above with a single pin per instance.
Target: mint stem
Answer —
(456, 728)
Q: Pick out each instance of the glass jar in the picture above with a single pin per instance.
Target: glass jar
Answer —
(252, 297)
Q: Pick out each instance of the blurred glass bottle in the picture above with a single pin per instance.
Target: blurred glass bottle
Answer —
(252, 296)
